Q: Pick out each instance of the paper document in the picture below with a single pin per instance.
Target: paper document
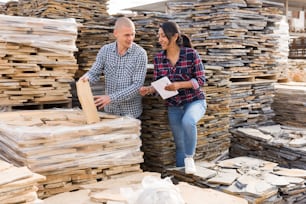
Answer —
(159, 86)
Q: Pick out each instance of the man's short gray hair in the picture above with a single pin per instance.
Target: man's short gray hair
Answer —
(124, 22)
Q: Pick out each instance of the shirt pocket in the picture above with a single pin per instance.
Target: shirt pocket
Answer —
(111, 68)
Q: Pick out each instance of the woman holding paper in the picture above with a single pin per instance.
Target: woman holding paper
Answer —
(182, 65)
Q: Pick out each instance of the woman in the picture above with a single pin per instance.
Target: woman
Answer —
(183, 66)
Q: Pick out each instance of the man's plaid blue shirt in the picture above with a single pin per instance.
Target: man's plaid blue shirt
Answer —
(124, 75)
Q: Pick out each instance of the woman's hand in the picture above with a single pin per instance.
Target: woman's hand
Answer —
(146, 90)
(173, 86)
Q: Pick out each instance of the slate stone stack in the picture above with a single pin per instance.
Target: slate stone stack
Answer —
(256, 180)
(237, 36)
(94, 29)
(213, 135)
(60, 145)
(278, 143)
(11, 8)
(289, 104)
(37, 60)
(147, 25)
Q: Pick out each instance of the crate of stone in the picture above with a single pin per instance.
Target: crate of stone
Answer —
(58, 143)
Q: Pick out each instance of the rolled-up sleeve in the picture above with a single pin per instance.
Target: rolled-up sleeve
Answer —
(97, 68)
(199, 70)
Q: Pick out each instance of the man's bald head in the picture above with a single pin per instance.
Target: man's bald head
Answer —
(124, 33)
(124, 22)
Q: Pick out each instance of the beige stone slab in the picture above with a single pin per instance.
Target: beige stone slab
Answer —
(113, 194)
(87, 102)
(77, 197)
(224, 178)
(291, 172)
(298, 142)
(271, 129)
(275, 180)
(195, 195)
(256, 186)
(4, 165)
(14, 174)
(255, 133)
(33, 180)
(113, 183)
(239, 162)
(205, 173)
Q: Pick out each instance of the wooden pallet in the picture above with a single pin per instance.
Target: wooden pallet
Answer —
(37, 106)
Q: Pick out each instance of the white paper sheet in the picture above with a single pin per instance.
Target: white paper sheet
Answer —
(159, 86)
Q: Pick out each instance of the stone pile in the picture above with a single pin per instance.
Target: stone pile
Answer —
(289, 104)
(37, 60)
(282, 144)
(61, 146)
(255, 180)
(94, 28)
(18, 184)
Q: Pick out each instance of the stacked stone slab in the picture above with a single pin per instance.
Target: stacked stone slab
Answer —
(256, 180)
(2, 8)
(61, 146)
(236, 35)
(236, 42)
(18, 184)
(94, 29)
(37, 60)
(147, 25)
(282, 144)
(289, 104)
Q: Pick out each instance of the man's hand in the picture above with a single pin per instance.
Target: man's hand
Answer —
(84, 78)
(146, 90)
(101, 101)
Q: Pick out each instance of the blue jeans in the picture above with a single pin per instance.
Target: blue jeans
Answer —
(183, 123)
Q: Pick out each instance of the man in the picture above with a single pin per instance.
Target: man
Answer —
(123, 64)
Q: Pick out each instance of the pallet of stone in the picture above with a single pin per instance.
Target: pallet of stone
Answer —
(90, 39)
(18, 184)
(282, 144)
(251, 103)
(235, 39)
(81, 10)
(256, 180)
(72, 180)
(38, 106)
(38, 61)
(146, 25)
(49, 141)
(93, 32)
(289, 104)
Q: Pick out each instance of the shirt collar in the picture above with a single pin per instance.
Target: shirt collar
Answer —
(114, 48)
(182, 53)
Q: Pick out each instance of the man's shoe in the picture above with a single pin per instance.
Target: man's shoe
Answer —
(190, 167)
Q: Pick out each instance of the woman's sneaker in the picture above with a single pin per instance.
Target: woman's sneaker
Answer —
(190, 167)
